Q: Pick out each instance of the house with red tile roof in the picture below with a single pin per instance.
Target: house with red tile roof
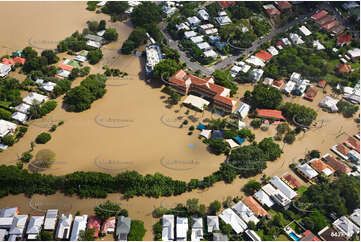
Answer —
(321, 83)
(309, 236)
(66, 67)
(353, 143)
(325, 20)
(271, 10)
(257, 209)
(185, 83)
(291, 181)
(330, 25)
(7, 61)
(226, 4)
(278, 84)
(341, 150)
(310, 93)
(19, 60)
(94, 222)
(321, 167)
(279, 45)
(264, 55)
(282, 5)
(270, 113)
(337, 164)
(344, 39)
(319, 15)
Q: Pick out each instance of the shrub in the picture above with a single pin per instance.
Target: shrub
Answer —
(218, 146)
(26, 156)
(137, 231)
(43, 138)
(290, 137)
(47, 107)
(8, 139)
(256, 123)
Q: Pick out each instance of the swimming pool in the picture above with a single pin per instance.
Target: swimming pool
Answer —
(294, 236)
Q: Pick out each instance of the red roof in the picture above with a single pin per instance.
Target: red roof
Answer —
(66, 67)
(337, 165)
(319, 15)
(283, 5)
(353, 143)
(278, 83)
(7, 61)
(226, 4)
(19, 60)
(309, 236)
(94, 222)
(330, 25)
(108, 224)
(322, 83)
(264, 55)
(279, 43)
(342, 149)
(292, 180)
(255, 207)
(310, 93)
(344, 38)
(270, 113)
(319, 166)
(273, 11)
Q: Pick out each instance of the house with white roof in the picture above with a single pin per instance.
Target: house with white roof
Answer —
(23, 108)
(168, 227)
(223, 18)
(354, 54)
(182, 228)
(245, 213)
(3, 233)
(4, 70)
(272, 50)
(203, 15)
(79, 224)
(307, 171)
(355, 216)
(63, 229)
(6, 222)
(305, 31)
(317, 44)
(212, 224)
(255, 61)
(234, 70)
(256, 75)
(244, 67)
(48, 86)
(346, 227)
(190, 34)
(276, 195)
(286, 41)
(80, 58)
(197, 229)
(268, 81)
(210, 54)
(8, 212)
(169, 11)
(34, 97)
(283, 187)
(231, 218)
(330, 103)
(296, 39)
(243, 109)
(263, 198)
(194, 21)
(6, 127)
(50, 219)
(20, 117)
(94, 44)
(18, 227)
(182, 26)
(290, 85)
(196, 39)
(34, 227)
(252, 235)
(204, 46)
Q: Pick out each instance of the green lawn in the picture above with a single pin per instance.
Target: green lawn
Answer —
(283, 237)
(301, 190)
(4, 104)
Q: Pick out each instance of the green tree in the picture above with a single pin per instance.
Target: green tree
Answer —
(137, 231)
(8, 139)
(256, 123)
(147, 12)
(128, 46)
(87, 235)
(109, 209)
(165, 69)
(5, 114)
(78, 99)
(43, 138)
(51, 57)
(225, 79)
(298, 113)
(111, 34)
(290, 137)
(251, 187)
(94, 56)
(26, 156)
(271, 149)
(214, 207)
(265, 97)
(45, 236)
(44, 158)
(218, 146)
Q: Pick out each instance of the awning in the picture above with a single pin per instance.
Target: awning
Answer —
(201, 126)
(239, 140)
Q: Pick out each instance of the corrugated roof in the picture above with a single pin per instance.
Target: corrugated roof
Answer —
(270, 113)
(255, 207)
(319, 15)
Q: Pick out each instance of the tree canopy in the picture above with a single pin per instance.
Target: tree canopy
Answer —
(145, 13)
(265, 97)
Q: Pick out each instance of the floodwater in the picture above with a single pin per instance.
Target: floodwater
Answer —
(131, 127)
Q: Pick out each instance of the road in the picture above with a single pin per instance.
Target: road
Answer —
(231, 59)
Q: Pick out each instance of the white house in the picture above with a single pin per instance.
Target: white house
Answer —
(79, 224)
(48, 86)
(34, 97)
(196, 39)
(20, 117)
(245, 213)
(252, 235)
(6, 127)
(330, 103)
(168, 227)
(3, 233)
(305, 31)
(8, 212)
(346, 227)
(190, 34)
(94, 44)
(63, 229)
(223, 18)
(234, 70)
(231, 218)
(203, 15)
(290, 85)
(197, 229)
(63, 73)
(243, 110)
(263, 198)
(307, 171)
(268, 81)
(182, 26)
(204, 46)
(80, 58)
(182, 228)
(286, 41)
(354, 54)
(210, 53)
(18, 227)
(256, 74)
(194, 21)
(317, 44)
(276, 195)
(255, 61)
(4, 70)
(23, 108)
(169, 11)
(50, 219)
(283, 187)
(34, 227)
(296, 39)
(272, 50)
(244, 67)
(212, 224)
(6, 222)
(355, 216)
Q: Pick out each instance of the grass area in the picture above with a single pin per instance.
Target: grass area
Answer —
(301, 190)
(5, 104)
(282, 237)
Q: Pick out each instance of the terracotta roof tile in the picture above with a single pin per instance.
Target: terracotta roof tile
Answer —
(255, 207)
(353, 143)
(344, 38)
(319, 166)
(322, 83)
(292, 180)
(342, 149)
(337, 165)
(270, 113)
(319, 15)
(264, 55)
(283, 5)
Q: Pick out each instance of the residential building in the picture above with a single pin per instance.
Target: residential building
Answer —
(245, 213)
(8, 212)
(330, 25)
(257, 209)
(35, 98)
(34, 227)
(169, 11)
(190, 34)
(319, 15)
(244, 67)
(309, 236)
(197, 229)
(354, 54)
(220, 237)
(108, 226)
(16, 230)
(243, 110)
(264, 55)
(252, 235)
(4, 70)
(343, 68)
(214, 39)
(182, 228)
(20, 117)
(317, 44)
(321, 83)
(6, 127)
(277, 196)
(307, 171)
(268, 81)
(204, 46)
(220, 45)
(283, 187)
(353, 143)
(223, 19)
(3, 233)
(321, 167)
(168, 227)
(329, 103)
(212, 224)
(304, 30)
(203, 15)
(341, 150)
(226, 4)
(182, 26)
(194, 21)
(256, 75)
(123, 228)
(279, 45)
(63, 229)
(271, 10)
(345, 226)
(93, 37)
(196, 101)
(153, 57)
(344, 39)
(50, 219)
(185, 83)
(350, 5)
(231, 218)
(255, 61)
(19, 60)
(234, 70)
(272, 50)
(283, 5)
(270, 113)
(80, 224)
(94, 222)
(48, 86)
(337, 164)
(296, 39)
(355, 216)
(196, 39)
(6, 222)
(263, 198)
(354, 156)
(292, 181)
(337, 30)
(328, 234)
(210, 54)
(325, 20)
(94, 44)
(310, 93)
(278, 84)
(286, 41)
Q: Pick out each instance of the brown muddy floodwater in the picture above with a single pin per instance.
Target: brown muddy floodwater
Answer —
(131, 127)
